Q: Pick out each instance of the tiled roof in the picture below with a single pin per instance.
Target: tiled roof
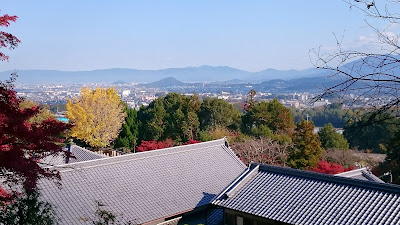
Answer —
(143, 187)
(80, 154)
(361, 174)
(302, 197)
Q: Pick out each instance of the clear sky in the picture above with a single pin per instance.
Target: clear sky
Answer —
(248, 35)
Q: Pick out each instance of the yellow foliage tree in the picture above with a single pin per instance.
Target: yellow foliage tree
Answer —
(97, 116)
(44, 112)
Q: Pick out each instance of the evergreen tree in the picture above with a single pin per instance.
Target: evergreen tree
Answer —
(267, 118)
(173, 116)
(216, 112)
(152, 119)
(130, 130)
(331, 139)
(372, 131)
(392, 161)
(307, 150)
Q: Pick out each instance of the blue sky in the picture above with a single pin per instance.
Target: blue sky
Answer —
(248, 35)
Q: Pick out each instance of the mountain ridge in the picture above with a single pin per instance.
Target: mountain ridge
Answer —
(186, 74)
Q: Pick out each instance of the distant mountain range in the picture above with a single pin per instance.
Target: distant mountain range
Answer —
(300, 79)
(277, 85)
(188, 74)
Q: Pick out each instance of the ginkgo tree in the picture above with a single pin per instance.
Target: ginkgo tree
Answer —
(97, 116)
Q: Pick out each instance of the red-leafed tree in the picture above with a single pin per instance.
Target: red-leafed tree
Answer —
(7, 40)
(191, 141)
(24, 144)
(153, 145)
(330, 168)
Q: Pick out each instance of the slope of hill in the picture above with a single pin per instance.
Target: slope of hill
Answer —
(166, 82)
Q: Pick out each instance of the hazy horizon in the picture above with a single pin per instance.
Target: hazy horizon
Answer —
(150, 35)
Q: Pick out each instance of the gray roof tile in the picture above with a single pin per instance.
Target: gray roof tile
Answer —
(361, 174)
(146, 186)
(80, 154)
(302, 197)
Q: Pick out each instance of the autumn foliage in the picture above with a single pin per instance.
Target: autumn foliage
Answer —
(330, 168)
(97, 116)
(24, 144)
(191, 141)
(7, 40)
(153, 145)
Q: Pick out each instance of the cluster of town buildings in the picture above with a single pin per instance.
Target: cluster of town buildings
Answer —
(136, 95)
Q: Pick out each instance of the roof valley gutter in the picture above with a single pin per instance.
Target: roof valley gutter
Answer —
(233, 183)
(242, 182)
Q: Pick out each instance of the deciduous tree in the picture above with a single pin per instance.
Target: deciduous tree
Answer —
(330, 168)
(24, 144)
(44, 112)
(191, 141)
(7, 40)
(371, 74)
(97, 116)
(153, 145)
(262, 150)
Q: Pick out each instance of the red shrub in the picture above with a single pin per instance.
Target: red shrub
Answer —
(191, 141)
(153, 145)
(330, 168)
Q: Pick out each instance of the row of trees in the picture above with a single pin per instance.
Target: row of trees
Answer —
(183, 118)
(100, 119)
(98, 116)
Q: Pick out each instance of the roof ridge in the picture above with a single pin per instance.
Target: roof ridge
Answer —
(360, 170)
(139, 156)
(87, 150)
(231, 153)
(392, 188)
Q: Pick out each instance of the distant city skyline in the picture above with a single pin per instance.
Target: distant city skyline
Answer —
(252, 36)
